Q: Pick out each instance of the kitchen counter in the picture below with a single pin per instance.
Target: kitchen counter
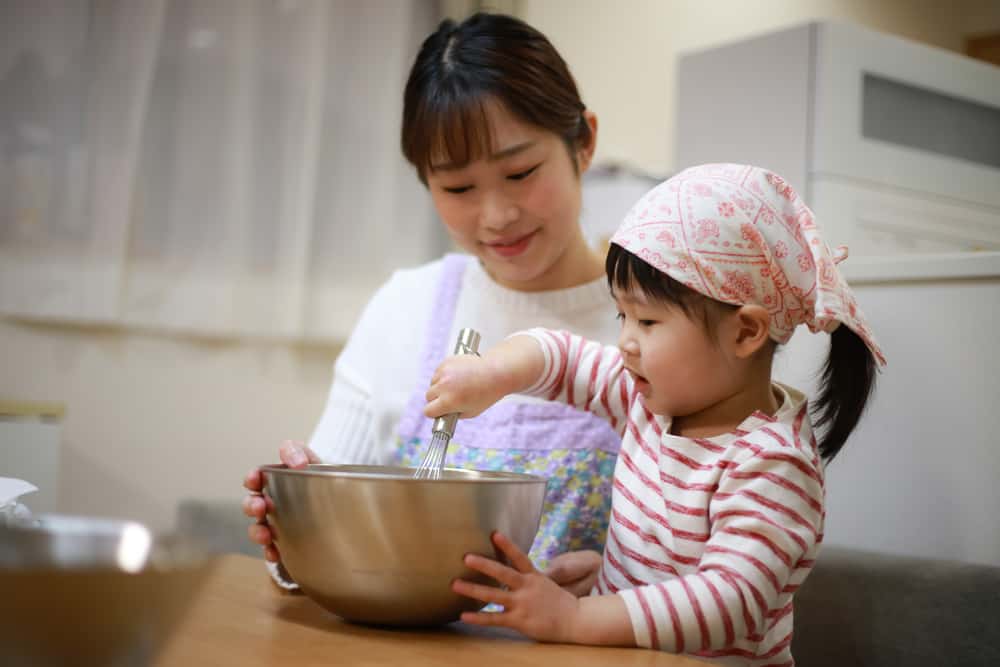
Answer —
(240, 617)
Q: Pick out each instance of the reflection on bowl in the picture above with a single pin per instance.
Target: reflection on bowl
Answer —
(89, 591)
(374, 545)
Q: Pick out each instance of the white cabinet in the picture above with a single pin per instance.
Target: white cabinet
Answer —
(894, 144)
(896, 147)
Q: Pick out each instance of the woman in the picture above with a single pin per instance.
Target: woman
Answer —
(494, 125)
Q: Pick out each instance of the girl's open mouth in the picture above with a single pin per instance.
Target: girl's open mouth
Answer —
(641, 384)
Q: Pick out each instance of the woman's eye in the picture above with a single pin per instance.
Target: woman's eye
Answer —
(458, 190)
(522, 174)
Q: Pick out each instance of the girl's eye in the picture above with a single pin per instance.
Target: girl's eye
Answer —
(522, 174)
(646, 323)
(458, 190)
(620, 317)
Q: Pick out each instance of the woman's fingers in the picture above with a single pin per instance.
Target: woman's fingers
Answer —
(575, 571)
(251, 507)
(260, 534)
(257, 506)
(565, 579)
(253, 481)
(573, 566)
(295, 454)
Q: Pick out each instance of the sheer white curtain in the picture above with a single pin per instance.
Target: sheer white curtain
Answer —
(214, 166)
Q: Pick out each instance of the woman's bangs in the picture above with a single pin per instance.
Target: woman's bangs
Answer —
(458, 132)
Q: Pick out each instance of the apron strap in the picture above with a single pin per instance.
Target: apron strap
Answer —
(436, 345)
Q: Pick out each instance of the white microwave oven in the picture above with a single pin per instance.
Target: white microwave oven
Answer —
(893, 143)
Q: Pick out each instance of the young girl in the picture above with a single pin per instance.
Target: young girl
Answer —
(717, 506)
(494, 126)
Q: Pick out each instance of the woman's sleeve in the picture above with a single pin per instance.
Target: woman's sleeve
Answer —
(345, 432)
(374, 374)
(280, 576)
(767, 521)
(584, 374)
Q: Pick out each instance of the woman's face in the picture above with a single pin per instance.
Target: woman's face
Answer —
(518, 209)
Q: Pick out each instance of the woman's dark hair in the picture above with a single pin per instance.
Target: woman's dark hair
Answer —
(463, 68)
(847, 379)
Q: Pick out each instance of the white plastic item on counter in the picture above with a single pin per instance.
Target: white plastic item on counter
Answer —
(10, 491)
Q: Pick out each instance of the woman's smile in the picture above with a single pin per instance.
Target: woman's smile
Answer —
(511, 247)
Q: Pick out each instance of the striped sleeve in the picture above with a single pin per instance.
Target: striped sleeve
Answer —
(582, 373)
(766, 522)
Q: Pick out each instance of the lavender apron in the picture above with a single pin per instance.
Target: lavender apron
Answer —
(574, 450)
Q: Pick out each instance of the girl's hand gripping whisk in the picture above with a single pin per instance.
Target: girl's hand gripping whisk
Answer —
(468, 384)
(444, 425)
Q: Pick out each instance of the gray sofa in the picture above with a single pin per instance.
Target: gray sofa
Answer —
(855, 609)
(861, 608)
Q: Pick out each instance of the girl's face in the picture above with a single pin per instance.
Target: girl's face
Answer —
(518, 208)
(678, 368)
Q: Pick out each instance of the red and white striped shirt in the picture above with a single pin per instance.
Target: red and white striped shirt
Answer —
(709, 538)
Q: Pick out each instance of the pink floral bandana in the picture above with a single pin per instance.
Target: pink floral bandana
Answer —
(740, 234)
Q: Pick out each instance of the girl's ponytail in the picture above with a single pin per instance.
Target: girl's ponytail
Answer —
(846, 384)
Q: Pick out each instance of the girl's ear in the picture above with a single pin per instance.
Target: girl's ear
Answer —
(751, 330)
(585, 152)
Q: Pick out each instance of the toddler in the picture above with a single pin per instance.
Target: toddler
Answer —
(718, 495)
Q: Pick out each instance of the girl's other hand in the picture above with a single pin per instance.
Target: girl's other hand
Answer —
(256, 505)
(575, 571)
(533, 604)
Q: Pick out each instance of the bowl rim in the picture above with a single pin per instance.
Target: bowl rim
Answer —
(158, 552)
(402, 474)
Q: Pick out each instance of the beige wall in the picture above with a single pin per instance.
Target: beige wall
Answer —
(623, 53)
(151, 420)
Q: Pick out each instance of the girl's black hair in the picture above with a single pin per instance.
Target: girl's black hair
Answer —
(626, 271)
(848, 377)
(486, 59)
(846, 384)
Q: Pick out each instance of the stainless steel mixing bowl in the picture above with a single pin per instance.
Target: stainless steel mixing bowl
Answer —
(373, 544)
(88, 591)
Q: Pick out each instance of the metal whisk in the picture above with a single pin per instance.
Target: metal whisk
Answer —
(444, 427)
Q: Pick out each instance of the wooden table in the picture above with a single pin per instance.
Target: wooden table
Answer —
(241, 618)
